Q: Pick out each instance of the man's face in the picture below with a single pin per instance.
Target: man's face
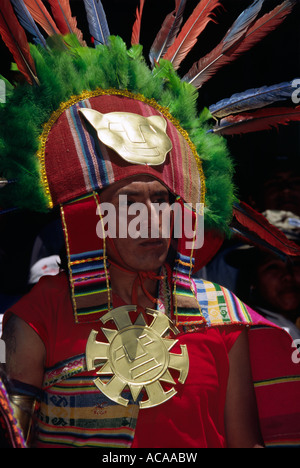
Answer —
(139, 249)
(282, 192)
(279, 285)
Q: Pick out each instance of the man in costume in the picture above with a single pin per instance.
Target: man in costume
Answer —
(128, 349)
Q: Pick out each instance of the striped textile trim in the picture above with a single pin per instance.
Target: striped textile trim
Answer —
(65, 369)
(278, 380)
(283, 443)
(200, 301)
(184, 293)
(219, 306)
(110, 439)
(184, 264)
(237, 310)
(74, 413)
(94, 168)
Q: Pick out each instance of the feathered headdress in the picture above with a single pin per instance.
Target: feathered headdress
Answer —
(62, 71)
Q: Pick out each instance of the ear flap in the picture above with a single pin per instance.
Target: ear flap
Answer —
(88, 272)
(186, 305)
(213, 241)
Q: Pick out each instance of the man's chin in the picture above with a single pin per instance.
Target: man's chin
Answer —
(150, 261)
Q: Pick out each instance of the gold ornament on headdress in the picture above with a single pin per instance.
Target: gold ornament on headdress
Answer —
(137, 139)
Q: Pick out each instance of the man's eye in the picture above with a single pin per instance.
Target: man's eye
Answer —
(129, 202)
(126, 203)
(160, 200)
(274, 267)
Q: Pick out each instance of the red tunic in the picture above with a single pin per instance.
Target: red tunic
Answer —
(194, 417)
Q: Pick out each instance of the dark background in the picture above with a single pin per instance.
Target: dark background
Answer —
(274, 60)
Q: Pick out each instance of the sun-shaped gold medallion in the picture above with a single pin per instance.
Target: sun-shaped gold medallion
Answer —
(136, 356)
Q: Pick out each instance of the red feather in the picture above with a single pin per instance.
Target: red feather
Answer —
(41, 16)
(247, 221)
(136, 30)
(208, 66)
(66, 23)
(168, 32)
(190, 32)
(260, 120)
(15, 39)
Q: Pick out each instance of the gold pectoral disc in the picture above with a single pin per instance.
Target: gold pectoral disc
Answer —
(136, 356)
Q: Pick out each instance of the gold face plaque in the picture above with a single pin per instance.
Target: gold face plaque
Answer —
(136, 356)
(137, 139)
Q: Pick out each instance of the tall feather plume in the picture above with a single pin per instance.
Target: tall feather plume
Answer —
(208, 66)
(260, 120)
(41, 16)
(66, 23)
(253, 99)
(15, 39)
(28, 22)
(241, 25)
(168, 32)
(136, 30)
(256, 229)
(97, 21)
(190, 32)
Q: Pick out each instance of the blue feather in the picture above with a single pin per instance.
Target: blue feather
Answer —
(241, 25)
(252, 99)
(166, 36)
(97, 22)
(28, 22)
(8, 210)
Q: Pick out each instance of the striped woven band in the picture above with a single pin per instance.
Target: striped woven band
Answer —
(218, 307)
(88, 271)
(75, 414)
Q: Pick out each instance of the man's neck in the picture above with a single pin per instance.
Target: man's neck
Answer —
(122, 284)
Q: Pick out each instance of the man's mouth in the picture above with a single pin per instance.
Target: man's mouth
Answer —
(152, 243)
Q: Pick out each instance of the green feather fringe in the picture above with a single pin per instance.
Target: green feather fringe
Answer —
(66, 69)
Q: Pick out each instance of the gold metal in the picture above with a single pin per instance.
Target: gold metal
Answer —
(23, 408)
(137, 356)
(137, 139)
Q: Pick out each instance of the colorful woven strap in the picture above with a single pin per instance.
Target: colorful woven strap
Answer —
(74, 413)
(216, 305)
(88, 271)
(219, 306)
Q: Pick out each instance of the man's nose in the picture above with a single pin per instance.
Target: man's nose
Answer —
(288, 273)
